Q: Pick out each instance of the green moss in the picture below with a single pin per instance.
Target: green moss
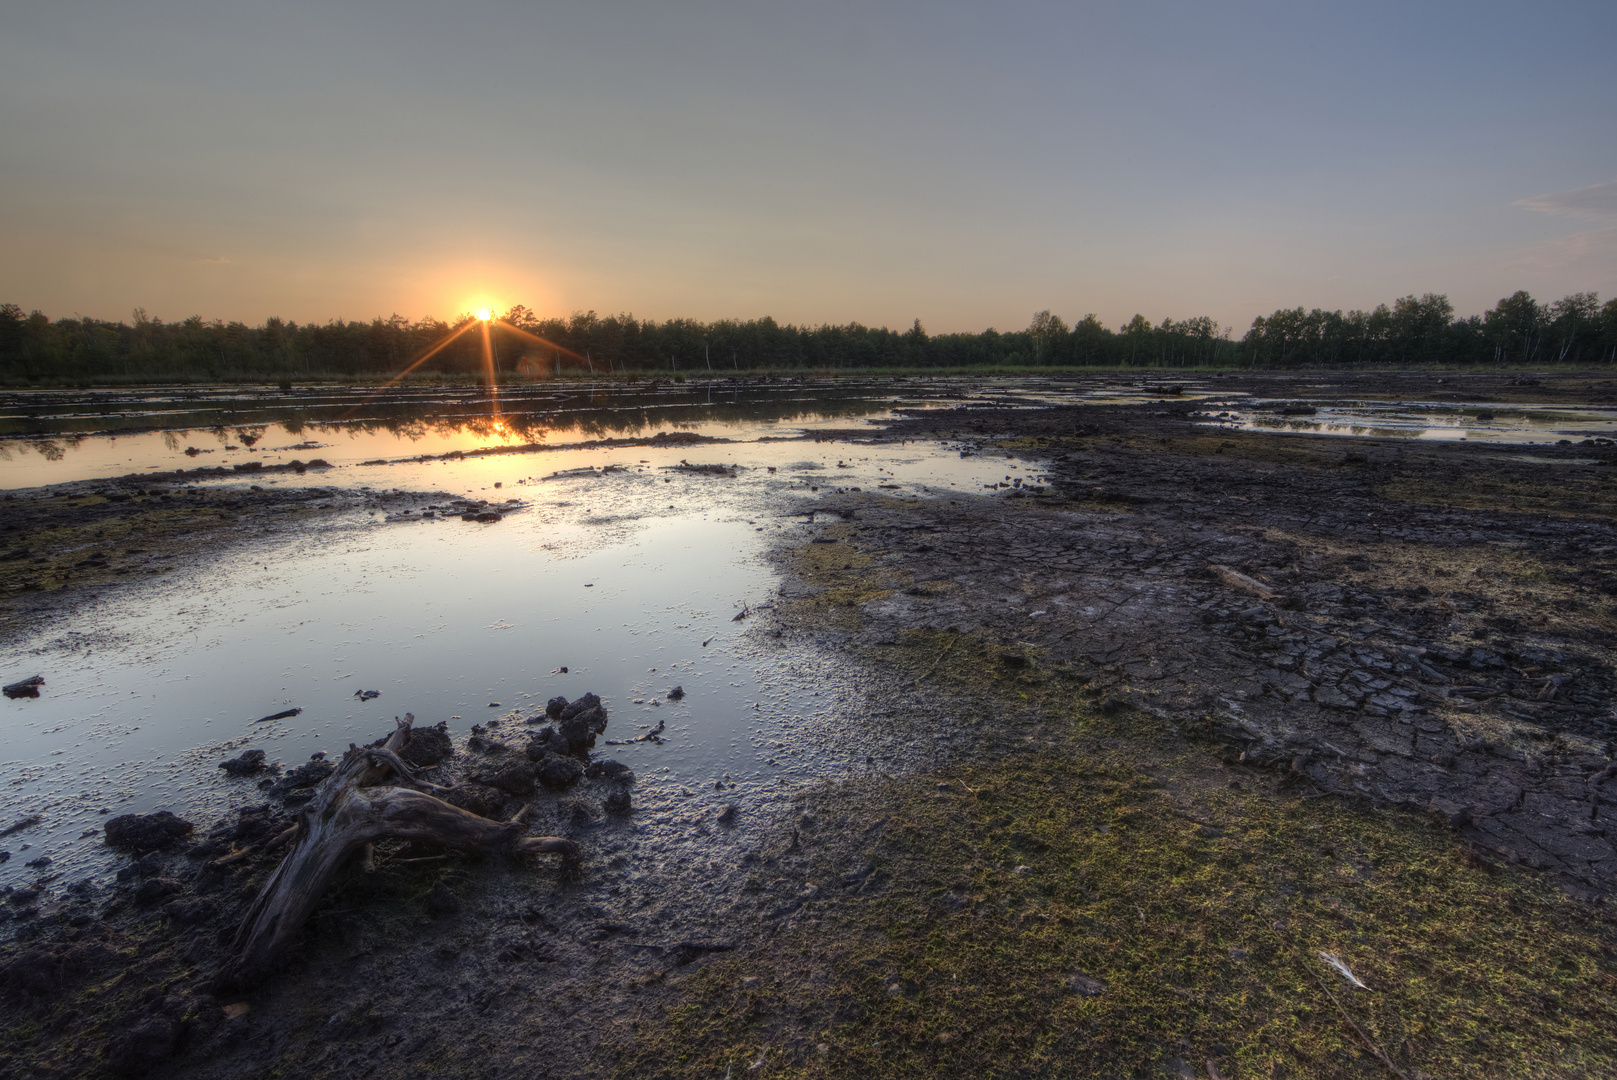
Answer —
(1201, 906)
(1563, 492)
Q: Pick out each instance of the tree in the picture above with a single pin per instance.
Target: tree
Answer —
(1047, 332)
(1570, 317)
(1137, 333)
(1419, 328)
(1608, 331)
(1515, 328)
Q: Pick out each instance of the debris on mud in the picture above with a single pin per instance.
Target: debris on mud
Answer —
(28, 687)
(22, 823)
(246, 764)
(370, 796)
(140, 833)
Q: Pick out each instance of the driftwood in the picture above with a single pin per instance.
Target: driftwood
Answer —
(372, 796)
(1237, 580)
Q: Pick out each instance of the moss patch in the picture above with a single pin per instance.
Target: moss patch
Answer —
(1567, 491)
(1113, 906)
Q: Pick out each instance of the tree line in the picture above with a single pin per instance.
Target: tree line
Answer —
(1413, 331)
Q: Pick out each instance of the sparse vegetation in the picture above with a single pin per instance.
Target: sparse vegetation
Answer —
(1104, 898)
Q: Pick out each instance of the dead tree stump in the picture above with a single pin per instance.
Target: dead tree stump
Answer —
(372, 796)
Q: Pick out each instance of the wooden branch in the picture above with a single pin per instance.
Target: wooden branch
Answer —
(351, 810)
(1237, 580)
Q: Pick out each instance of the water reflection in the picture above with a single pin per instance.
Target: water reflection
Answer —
(52, 437)
(1518, 424)
(622, 567)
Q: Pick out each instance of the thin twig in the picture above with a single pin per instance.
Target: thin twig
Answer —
(936, 662)
(1364, 1036)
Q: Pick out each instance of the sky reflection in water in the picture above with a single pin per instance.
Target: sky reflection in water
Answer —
(618, 576)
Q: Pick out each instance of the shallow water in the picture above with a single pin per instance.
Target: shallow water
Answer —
(620, 570)
(56, 437)
(1447, 421)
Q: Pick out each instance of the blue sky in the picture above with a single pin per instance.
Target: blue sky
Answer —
(964, 164)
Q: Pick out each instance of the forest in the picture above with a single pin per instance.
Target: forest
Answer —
(1413, 332)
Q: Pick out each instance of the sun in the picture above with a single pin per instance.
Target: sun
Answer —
(485, 314)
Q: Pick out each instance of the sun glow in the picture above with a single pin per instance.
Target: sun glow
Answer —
(486, 322)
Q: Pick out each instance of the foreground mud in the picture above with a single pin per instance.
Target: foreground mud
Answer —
(1163, 732)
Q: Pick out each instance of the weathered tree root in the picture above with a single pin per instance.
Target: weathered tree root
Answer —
(352, 809)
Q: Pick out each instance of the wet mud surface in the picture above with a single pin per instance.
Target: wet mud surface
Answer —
(1408, 632)
(1420, 626)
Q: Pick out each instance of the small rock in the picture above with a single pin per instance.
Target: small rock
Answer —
(727, 816)
(427, 747)
(583, 704)
(147, 832)
(578, 727)
(515, 779)
(541, 743)
(250, 762)
(1085, 985)
(676, 693)
(28, 687)
(554, 707)
(556, 771)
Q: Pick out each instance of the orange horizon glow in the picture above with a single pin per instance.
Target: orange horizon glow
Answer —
(485, 320)
(491, 370)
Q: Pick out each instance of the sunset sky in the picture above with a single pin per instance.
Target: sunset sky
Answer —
(879, 162)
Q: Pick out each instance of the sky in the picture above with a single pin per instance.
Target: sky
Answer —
(964, 164)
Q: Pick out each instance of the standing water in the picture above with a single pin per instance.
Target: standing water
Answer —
(616, 569)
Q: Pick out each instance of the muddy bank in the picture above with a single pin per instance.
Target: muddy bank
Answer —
(68, 543)
(1421, 626)
(416, 956)
(1254, 755)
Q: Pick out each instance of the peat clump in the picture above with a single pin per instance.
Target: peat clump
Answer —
(140, 833)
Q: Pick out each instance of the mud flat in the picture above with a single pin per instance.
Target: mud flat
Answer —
(1193, 752)
(1214, 712)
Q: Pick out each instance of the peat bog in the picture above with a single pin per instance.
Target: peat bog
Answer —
(1132, 747)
